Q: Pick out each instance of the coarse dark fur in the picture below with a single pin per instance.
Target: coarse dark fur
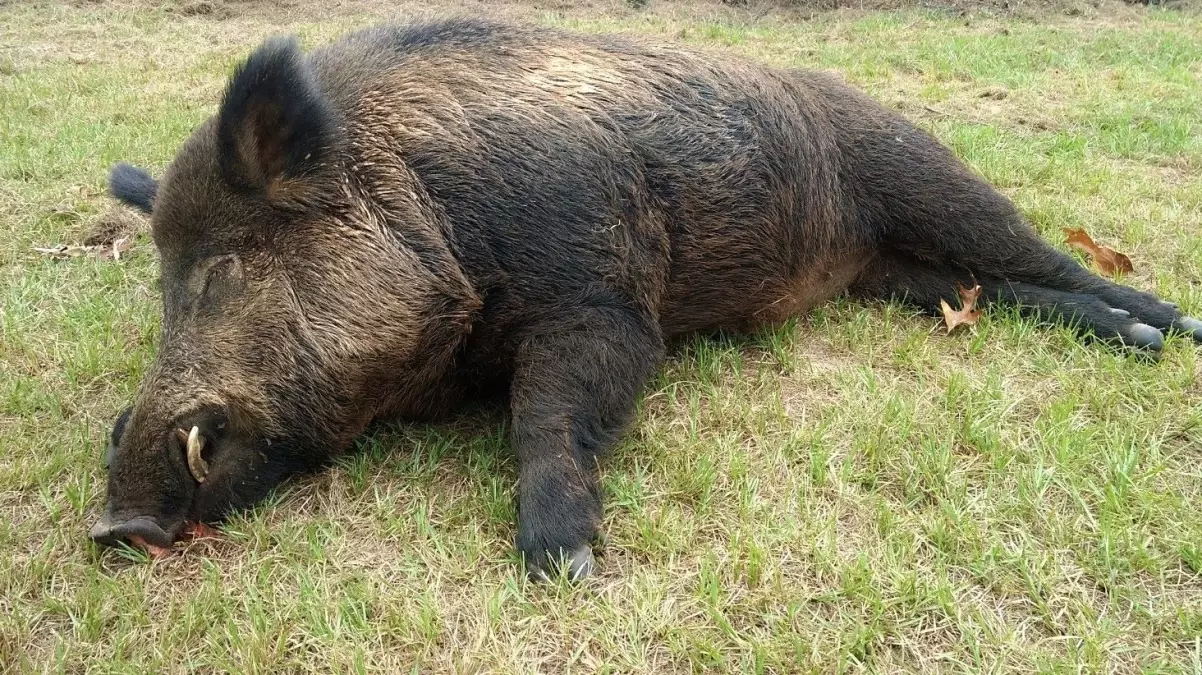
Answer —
(415, 214)
(133, 186)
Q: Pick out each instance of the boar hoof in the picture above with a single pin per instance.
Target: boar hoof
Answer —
(1143, 335)
(580, 565)
(1190, 326)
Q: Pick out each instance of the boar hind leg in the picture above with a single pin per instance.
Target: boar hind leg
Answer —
(911, 281)
(575, 382)
(938, 223)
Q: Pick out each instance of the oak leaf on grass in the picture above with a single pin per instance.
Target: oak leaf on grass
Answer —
(1107, 260)
(967, 315)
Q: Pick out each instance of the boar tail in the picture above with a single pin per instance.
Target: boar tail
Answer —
(133, 186)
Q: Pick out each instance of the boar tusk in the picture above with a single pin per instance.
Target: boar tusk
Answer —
(196, 464)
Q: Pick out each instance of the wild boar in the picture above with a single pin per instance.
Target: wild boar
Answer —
(423, 213)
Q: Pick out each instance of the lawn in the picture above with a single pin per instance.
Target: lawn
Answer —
(856, 491)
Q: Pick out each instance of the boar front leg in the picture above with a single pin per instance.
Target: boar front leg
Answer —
(576, 379)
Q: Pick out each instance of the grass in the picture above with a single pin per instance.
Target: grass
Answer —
(854, 492)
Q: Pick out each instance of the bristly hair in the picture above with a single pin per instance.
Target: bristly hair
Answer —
(133, 186)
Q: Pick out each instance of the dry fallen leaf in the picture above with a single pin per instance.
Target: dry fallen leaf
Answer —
(62, 251)
(114, 252)
(966, 315)
(106, 252)
(1107, 260)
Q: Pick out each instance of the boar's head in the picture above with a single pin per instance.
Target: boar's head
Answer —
(295, 307)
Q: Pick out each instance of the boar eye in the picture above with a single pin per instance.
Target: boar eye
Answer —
(222, 279)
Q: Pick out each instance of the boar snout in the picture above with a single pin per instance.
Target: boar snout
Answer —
(110, 533)
(155, 478)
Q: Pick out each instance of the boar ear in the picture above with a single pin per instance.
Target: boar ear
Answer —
(133, 186)
(275, 125)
